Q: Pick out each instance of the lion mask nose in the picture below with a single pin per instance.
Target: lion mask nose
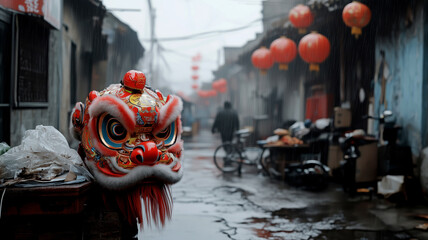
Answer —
(145, 153)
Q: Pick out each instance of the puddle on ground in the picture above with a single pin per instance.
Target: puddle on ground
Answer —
(280, 228)
(204, 158)
(363, 235)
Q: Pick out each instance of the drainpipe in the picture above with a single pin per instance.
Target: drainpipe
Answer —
(424, 127)
(59, 72)
(12, 75)
(152, 43)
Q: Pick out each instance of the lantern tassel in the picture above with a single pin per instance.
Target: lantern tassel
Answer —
(263, 72)
(314, 67)
(283, 66)
(356, 31)
(302, 30)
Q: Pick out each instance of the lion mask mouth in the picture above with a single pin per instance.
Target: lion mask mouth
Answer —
(162, 173)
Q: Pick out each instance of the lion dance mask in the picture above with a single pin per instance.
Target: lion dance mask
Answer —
(131, 141)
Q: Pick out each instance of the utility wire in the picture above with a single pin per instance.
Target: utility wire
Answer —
(161, 49)
(123, 10)
(180, 54)
(202, 34)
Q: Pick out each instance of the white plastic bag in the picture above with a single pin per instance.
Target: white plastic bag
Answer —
(43, 154)
(4, 147)
(390, 184)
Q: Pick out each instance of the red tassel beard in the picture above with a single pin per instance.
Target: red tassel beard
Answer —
(157, 201)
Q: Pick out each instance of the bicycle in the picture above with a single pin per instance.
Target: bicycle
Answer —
(230, 156)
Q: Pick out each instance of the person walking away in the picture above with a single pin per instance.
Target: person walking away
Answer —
(226, 122)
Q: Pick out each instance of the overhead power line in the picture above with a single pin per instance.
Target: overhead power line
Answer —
(188, 56)
(214, 32)
(124, 10)
(202, 34)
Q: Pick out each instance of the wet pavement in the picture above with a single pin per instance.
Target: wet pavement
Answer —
(212, 205)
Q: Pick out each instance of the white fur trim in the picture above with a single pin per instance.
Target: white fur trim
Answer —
(137, 175)
(112, 162)
(72, 129)
(115, 107)
(168, 113)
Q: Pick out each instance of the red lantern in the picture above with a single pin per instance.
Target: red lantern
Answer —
(195, 67)
(195, 86)
(262, 59)
(301, 17)
(283, 51)
(220, 85)
(195, 77)
(356, 15)
(212, 93)
(197, 57)
(314, 48)
(202, 94)
(207, 93)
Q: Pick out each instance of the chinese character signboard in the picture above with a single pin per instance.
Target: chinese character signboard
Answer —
(50, 10)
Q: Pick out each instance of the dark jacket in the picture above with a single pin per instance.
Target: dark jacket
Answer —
(226, 122)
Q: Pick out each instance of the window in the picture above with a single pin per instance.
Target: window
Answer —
(31, 88)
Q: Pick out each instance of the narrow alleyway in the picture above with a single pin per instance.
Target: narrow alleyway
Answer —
(210, 205)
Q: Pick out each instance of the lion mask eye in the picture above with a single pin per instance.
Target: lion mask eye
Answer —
(168, 135)
(111, 132)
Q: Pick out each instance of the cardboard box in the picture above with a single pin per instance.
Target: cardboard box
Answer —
(342, 117)
(335, 155)
(366, 169)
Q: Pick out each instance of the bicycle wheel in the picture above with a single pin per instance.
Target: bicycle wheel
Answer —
(226, 158)
(265, 161)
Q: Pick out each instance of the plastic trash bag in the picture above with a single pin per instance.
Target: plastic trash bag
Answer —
(4, 147)
(297, 128)
(390, 184)
(43, 154)
(322, 123)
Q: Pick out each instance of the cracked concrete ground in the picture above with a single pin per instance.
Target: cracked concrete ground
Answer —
(212, 205)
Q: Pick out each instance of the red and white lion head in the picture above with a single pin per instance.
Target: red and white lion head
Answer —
(131, 141)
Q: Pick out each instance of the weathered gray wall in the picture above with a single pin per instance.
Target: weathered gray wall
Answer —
(404, 88)
(274, 10)
(65, 89)
(124, 51)
(78, 18)
(24, 119)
